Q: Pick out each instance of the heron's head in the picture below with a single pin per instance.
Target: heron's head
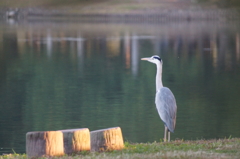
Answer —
(154, 59)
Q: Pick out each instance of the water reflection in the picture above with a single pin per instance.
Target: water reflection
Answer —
(59, 76)
(215, 42)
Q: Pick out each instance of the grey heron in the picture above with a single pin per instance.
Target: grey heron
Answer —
(164, 99)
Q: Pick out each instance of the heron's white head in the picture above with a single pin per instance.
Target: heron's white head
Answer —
(154, 59)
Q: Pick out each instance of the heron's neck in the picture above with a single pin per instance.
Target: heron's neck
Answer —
(159, 84)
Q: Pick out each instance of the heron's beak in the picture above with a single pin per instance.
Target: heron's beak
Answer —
(146, 58)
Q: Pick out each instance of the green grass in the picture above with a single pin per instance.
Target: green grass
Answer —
(214, 149)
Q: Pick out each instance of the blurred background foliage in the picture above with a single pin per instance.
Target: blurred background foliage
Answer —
(105, 6)
(222, 3)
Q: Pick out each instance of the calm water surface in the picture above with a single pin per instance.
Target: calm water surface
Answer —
(58, 75)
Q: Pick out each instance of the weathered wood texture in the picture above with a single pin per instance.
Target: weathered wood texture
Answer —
(44, 143)
(76, 140)
(107, 139)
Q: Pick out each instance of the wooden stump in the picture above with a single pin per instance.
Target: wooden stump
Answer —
(44, 143)
(107, 139)
(76, 140)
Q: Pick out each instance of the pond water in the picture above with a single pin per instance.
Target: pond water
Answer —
(60, 75)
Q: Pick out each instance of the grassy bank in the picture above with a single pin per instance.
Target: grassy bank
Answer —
(222, 148)
(104, 6)
(106, 10)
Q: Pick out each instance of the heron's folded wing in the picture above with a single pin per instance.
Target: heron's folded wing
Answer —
(167, 107)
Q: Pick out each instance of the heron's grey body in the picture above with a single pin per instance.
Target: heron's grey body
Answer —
(164, 100)
(166, 107)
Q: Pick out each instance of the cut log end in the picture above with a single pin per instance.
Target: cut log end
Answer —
(76, 140)
(107, 139)
(44, 143)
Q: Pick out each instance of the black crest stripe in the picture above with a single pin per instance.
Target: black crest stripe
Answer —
(156, 57)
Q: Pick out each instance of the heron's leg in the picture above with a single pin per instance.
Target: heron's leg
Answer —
(168, 136)
(165, 134)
